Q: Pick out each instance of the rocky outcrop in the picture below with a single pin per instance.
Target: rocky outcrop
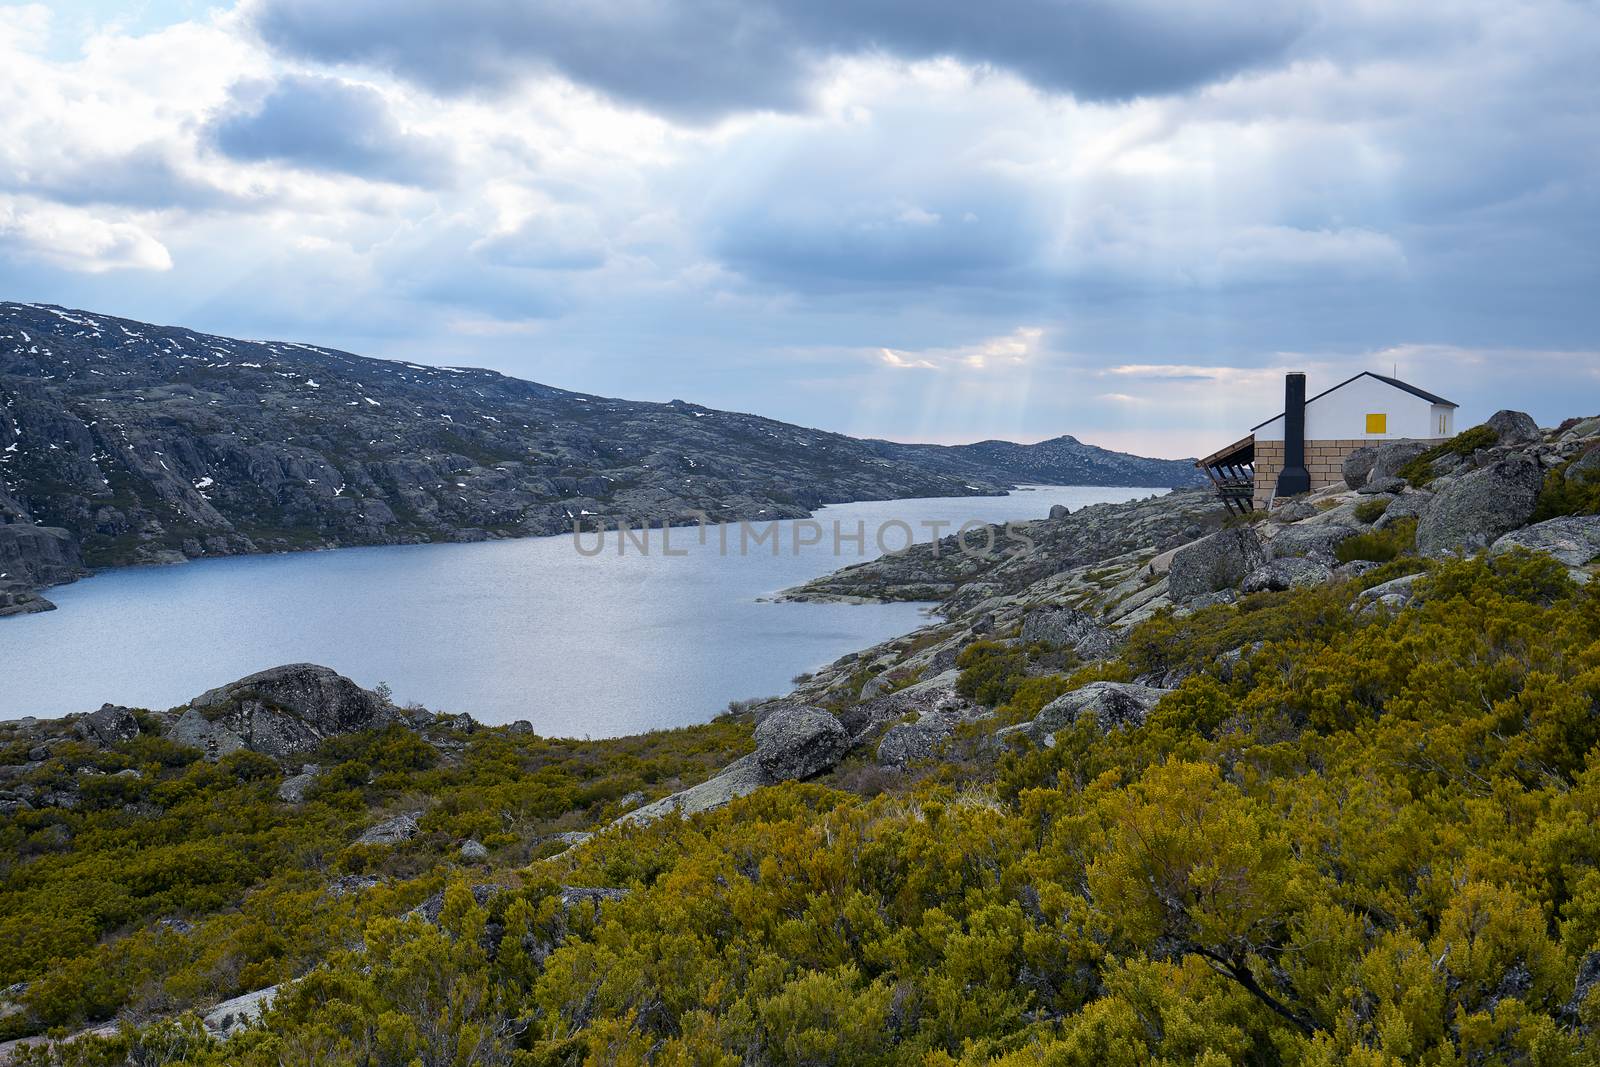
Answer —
(280, 712)
(570, 838)
(1357, 466)
(19, 601)
(1572, 539)
(1214, 563)
(1070, 628)
(961, 579)
(292, 708)
(1282, 574)
(739, 778)
(37, 555)
(1481, 505)
(32, 557)
(911, 742)
(239, 1013)
(196, 731)
(1513, 428)
(931, 696)
(402, 827)
(293, 790)
(1391, 456)
(111, 725)
(1113, 704)
(1317, 540)
(1393, 594)
(472, 851)
(1585, 469)
(799, 743)
(1408, 505)
(791, 743)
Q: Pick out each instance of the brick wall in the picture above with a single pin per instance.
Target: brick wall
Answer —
(1324, 461)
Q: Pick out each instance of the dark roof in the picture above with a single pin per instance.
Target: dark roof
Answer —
(1385, 379)
(1241, 452)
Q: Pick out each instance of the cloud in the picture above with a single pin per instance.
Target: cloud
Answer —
(556, 237)
(702, 59)
(147, 176)
(840, 214)
(76, 240)
(325, 124)
(897, 359)
(1020, 346)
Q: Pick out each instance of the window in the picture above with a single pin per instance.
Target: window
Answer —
(1378, 423)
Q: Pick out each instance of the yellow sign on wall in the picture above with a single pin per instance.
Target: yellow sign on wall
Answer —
(1377, 423)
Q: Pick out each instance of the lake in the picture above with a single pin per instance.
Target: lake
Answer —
(580, 645)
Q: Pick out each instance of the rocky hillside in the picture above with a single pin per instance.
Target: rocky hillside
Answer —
(122, 443)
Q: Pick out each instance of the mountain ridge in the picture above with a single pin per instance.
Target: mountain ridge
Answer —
(129, 443)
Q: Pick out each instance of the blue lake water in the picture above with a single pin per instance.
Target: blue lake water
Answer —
(580, 645)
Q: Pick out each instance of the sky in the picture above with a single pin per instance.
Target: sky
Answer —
(934, 220)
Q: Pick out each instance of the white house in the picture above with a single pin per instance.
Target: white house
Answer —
(1369, 407)
(1304, 447)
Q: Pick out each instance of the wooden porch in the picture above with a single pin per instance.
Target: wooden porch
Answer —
(1232, 472)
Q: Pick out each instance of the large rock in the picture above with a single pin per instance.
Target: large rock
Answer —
(1582, 430)
(293, 708)
(1408, 505)
(1282, 574)
(1358, 465)
(799, 743)
(740, 778)
(1214, 563)
(293, 790)
(910, 742)
(1480, 506)
(1070, 628)
(1572, 539)
(1113, 704)
(1585, 469)
(1385, 485)
(111, 725)
(214, 739)
(1395, 593)
(1317, 540)
(1392, 455)
(1514, 427)
(239, 1013)
(402, 827)
(931, 696)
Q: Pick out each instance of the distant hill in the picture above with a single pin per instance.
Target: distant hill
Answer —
(151, 444)
(1059, 461)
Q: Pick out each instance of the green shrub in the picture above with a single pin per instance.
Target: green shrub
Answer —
(990, 672)
(1419, 472)
(1560, 496)
(1379, 546)
(1368, 511)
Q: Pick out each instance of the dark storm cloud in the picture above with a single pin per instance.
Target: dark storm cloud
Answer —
(978, 237)
(324, 124)
(699, 59)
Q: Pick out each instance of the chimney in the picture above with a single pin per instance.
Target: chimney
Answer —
(1294, 478)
